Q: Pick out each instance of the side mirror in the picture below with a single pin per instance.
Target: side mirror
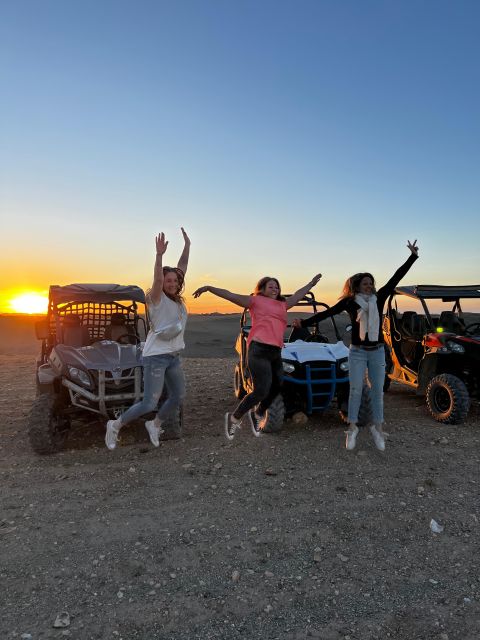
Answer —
(42, 329)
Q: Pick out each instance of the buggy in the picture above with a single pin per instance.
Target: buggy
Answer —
(315, 370)
(437, 354)
(90, 361)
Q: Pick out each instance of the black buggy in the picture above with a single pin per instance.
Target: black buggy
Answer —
(90, 361)
(437, 354)
(315, 370)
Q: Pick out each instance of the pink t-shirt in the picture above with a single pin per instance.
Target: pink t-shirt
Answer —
(269, 320)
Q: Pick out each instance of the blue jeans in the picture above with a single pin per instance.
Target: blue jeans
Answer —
(157, 371)
(360, 361)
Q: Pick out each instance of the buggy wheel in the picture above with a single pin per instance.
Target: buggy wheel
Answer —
(365, 414)
(275, 416)
(447, 399)
(47, 425)
(173, 425)
(240, 391)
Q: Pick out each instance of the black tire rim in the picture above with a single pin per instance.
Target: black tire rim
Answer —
(442, 399)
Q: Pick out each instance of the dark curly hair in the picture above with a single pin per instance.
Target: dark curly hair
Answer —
(352, 284)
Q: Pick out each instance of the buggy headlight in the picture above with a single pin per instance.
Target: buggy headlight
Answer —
(455, 347)
(344, 366)
(79, 375)
(288, 368)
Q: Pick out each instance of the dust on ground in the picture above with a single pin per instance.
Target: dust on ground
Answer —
(284, 536)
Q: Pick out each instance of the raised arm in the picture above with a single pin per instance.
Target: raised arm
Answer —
(157, 287)
(236, 298)
(402, 271)
(183, 261)
(298, 295)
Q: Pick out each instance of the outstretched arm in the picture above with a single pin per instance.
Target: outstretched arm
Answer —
(157, 287)
(236, 298)
(321, 315)
(183, 261)
(402, 271)
(298, 295)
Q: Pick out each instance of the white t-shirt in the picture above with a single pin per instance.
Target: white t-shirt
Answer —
(164, 314)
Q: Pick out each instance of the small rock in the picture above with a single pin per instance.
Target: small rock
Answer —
(299, 418)
(62, 620)
(270, 472)
(132, 470)
(268, 574)
(268, 608)
(341, 557)
(217, 466)
(26, 636)
(317, 554)
(235, 576)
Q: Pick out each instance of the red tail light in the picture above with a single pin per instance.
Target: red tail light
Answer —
(433, 340)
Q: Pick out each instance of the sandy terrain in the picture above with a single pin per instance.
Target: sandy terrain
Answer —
(286, 536)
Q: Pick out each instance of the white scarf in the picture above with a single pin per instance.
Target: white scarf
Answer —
(368, 316)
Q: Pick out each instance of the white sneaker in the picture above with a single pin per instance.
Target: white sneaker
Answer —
(378, 438)
(351, 440)
(111, 436)
(231, 426)
(154, 432)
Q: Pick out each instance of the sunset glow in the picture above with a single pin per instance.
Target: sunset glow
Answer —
(29, 303)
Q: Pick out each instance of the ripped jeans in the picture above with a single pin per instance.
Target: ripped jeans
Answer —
(159, 370)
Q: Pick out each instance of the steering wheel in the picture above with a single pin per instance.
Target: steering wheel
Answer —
(126, 338)
(472, 328)
(317, 337)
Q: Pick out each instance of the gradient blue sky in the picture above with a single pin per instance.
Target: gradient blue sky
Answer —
(286, 137)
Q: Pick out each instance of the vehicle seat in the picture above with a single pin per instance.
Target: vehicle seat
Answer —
(117, 327)
(412, 325)
(450, 322)
(74, 333)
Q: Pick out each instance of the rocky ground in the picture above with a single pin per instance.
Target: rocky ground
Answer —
(284, 536)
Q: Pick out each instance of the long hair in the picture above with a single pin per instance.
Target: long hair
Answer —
(352, 284)
(262, 283)
(177, 297)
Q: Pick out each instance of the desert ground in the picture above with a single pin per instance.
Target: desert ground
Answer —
(285, 536)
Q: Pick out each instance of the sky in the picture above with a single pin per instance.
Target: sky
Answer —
(287, 137)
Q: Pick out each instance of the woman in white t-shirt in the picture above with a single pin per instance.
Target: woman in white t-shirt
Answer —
(268, 310)
(161, 353)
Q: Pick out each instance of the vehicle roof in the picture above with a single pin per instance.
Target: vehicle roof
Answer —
(80, 292)
(441, 292)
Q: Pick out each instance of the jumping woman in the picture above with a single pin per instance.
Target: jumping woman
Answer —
(161, 353)
(367, 352)
(268, 310)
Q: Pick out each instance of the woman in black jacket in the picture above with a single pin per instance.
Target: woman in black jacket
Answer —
(367, 353)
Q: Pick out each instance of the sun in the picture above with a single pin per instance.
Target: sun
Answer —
(29, 303)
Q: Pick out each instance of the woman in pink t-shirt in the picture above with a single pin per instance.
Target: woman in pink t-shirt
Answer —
(268, 310)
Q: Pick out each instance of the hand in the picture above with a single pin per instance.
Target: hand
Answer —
(161, 244)
(413, 247)
(315, 279)
(185, 237)
(297, 323)
(200, 290)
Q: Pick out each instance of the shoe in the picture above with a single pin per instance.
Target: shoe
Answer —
(378, 438)
(254, 420)
(231, 426)
(111, 436)
(154, 432)
(351, 440)
(262, 420)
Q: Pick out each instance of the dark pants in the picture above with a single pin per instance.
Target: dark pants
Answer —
(266, 369)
